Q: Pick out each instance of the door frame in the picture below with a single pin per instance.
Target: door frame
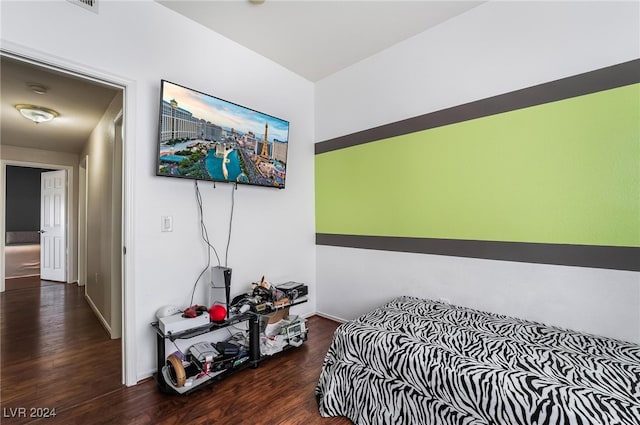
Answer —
(42, 59)
(117, 224)
(68, 204)
(83, 175)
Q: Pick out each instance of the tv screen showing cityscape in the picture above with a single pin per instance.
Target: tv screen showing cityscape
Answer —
(206, 138)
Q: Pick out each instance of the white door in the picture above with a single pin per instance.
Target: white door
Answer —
(53, 223)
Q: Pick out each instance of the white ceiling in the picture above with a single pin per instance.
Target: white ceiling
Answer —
(317, 38)
(80, 103)
(311, 38)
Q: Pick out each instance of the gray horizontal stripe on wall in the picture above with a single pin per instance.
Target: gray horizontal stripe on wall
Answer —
(604, 257)
(591, 82)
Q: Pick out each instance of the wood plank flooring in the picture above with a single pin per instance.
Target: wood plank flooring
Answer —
(55, 354)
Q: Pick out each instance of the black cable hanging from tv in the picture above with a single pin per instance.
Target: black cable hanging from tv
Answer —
(233, 191)
(205, 237)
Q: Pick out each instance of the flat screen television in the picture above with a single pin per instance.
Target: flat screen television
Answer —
(206, 138)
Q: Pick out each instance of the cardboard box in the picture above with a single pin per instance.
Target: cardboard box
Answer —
(278, 315)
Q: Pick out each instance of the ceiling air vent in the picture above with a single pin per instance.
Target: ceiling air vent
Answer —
(91, 5)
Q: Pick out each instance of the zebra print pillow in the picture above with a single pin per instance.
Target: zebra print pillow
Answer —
(415, 361)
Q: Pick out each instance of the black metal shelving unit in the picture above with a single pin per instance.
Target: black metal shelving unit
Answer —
(254, 356)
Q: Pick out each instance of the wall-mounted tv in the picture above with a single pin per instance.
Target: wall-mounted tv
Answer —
(206, 138)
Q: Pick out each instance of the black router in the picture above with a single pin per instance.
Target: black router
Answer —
(227, 348)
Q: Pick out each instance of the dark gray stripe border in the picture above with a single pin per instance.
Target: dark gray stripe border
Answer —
(604, 257)
(591, 82)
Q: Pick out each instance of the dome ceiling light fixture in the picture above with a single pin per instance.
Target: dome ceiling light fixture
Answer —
(37, 114)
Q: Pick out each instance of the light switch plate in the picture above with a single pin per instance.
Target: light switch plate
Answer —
(167, 223)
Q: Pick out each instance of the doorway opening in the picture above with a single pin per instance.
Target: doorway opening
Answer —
(27, 213)
(106, 294)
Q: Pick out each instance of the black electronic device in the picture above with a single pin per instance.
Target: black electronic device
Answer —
(227, 348)
(293, 290)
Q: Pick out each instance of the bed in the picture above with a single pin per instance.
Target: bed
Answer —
(22, 254)
(415, 361)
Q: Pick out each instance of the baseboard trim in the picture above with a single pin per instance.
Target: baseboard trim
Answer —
(98, 314)
(330, 317)
(20, 277)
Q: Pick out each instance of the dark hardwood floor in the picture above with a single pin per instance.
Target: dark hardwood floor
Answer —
(56, 355)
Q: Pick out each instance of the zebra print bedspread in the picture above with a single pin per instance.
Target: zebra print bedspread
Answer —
(420, 362)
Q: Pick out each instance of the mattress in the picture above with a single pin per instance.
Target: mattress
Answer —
(415, 361)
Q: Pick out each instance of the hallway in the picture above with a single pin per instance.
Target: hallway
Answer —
(54, 351)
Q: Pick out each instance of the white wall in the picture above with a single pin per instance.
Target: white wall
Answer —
(99, 152)
(495, 48)
(143, 42)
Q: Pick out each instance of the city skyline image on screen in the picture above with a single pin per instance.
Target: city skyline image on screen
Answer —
(207, 138)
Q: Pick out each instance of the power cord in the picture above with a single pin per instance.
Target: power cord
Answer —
(203, 227)
(205, 237)
(205, 234)
(233, 191)
(178, 348)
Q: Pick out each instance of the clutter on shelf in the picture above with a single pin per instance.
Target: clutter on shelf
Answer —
(264, 297)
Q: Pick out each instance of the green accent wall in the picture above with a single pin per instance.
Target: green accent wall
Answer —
(563, 172)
